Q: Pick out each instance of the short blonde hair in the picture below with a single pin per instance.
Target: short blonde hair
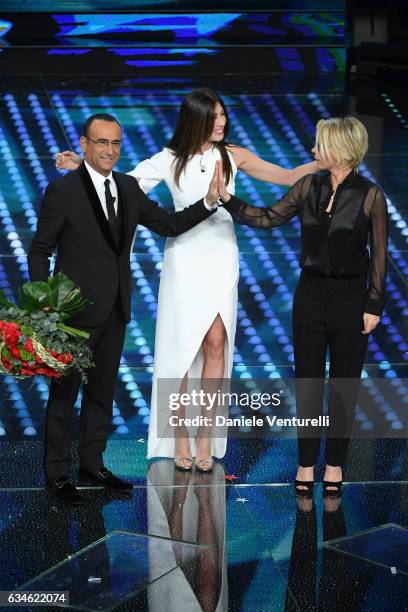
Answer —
(345, 138)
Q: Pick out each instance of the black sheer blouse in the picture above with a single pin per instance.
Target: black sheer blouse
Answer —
(334, 244)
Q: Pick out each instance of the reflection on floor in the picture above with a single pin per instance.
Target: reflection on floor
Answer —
(258, 547)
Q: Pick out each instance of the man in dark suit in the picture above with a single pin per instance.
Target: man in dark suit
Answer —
(90, 216)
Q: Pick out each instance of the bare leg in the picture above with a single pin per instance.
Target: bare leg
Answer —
(211, 380)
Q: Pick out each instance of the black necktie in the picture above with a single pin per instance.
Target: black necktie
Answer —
(109, 205)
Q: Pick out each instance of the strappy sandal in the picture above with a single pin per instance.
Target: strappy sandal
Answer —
(184, 464)
(308, 492)
(204, 465)
(332, 492)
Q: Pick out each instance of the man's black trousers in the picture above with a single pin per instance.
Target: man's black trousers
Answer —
(106, 342)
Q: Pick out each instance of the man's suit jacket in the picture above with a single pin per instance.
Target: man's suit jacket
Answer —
(72, 220)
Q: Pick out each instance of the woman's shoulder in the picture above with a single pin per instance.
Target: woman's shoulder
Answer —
(309, 179)
(165, 155)
(167, 152)
(236, 154)
(364, 180)
(369, 187)
(162, 159)
(236, 151)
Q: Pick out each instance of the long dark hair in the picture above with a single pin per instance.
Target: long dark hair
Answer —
(195, 124)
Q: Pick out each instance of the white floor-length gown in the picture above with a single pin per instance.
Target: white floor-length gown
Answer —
(199, 279)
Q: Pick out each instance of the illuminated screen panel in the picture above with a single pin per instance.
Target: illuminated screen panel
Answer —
(199, 29)
(245, 62)
(44, 6)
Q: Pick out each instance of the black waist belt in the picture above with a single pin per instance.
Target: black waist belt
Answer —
(332, 285)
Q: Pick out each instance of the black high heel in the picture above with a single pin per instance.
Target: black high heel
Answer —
(332, 492)
(308, 492)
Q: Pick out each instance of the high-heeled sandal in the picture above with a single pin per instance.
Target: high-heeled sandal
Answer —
(182, 466)
(332, 492)
(204, 465)
(308, 492)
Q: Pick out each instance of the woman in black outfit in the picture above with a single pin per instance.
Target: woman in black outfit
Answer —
(333, 307)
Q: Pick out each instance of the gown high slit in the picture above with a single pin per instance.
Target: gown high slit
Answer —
(198, 281)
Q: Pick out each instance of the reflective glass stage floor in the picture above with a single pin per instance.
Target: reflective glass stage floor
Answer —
(188, 541)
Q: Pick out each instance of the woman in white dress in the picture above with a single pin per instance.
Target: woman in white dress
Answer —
(197, 304)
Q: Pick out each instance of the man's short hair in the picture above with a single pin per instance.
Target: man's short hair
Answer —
(101, 116)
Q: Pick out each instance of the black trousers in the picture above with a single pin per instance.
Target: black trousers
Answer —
(327, 314)
(106, 342)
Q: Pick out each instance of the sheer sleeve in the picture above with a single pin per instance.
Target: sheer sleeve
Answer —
(274, 215)
(152, 171)
(378, 252)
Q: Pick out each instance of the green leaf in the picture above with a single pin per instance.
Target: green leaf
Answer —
(25, 355)
(59, 293)
(3, 300)
(60, 287)
(72, 331)
(34, 296)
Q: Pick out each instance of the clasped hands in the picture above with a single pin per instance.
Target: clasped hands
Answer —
(217, 189)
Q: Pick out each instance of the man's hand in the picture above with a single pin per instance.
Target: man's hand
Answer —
(67, 160)
(224, 195)
(213, 192)
(370, 322)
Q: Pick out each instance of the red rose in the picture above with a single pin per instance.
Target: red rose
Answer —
(11, 334)
(65, 358)
(15, 352)
(42, 371)
(27, 372)
(6, 363)
(29, 345)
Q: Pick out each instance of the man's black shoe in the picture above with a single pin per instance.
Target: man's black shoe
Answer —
(64, 491)
(106, 479)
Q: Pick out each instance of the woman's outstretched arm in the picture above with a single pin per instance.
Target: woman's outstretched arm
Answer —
(271, 216)
(148, 173)
(256, 167)
(67, 160)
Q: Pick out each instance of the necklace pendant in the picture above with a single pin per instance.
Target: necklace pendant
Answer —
(202, 169)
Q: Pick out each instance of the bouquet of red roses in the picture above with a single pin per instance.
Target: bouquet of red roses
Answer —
(33, 337)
